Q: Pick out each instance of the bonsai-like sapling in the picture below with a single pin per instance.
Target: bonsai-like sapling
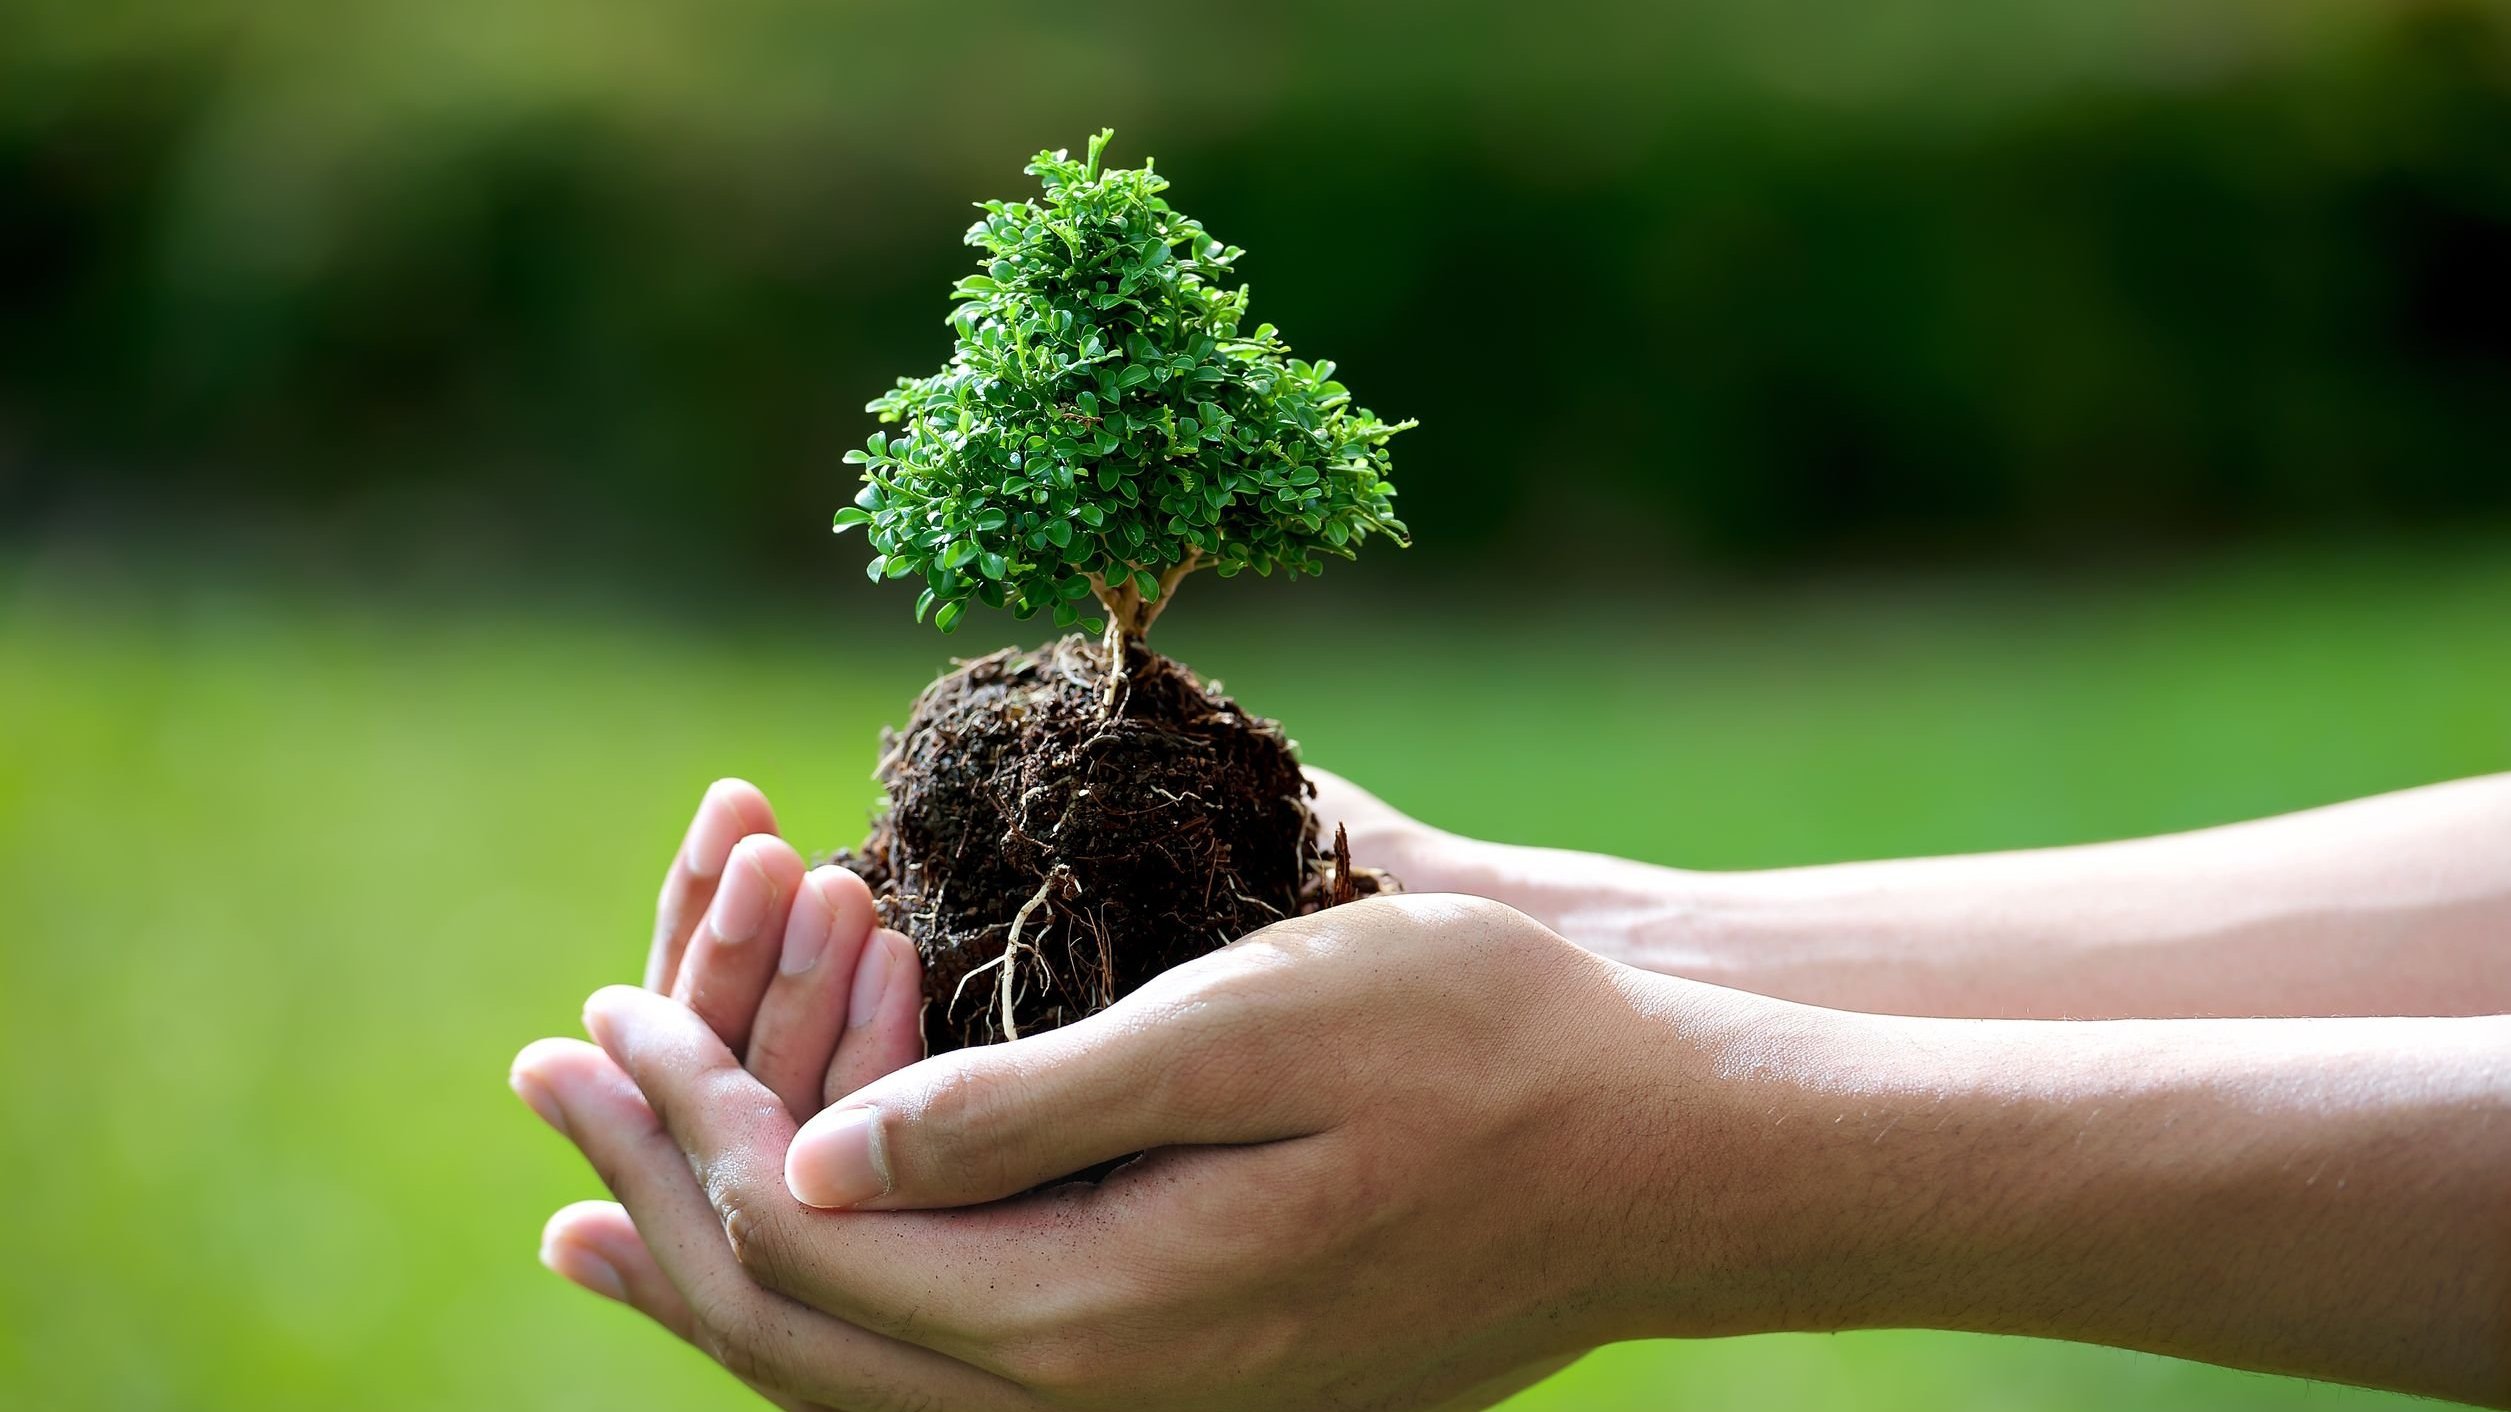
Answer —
(1064, 824)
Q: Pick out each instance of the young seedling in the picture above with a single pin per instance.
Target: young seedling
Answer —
(1106, 426)
(1063, 824)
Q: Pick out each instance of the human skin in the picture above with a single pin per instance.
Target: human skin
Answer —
(1411, 1153)
(2398, 904)
(784, 966)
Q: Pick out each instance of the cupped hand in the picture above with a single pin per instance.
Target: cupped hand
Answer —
(1402, 1154)
(787, 968)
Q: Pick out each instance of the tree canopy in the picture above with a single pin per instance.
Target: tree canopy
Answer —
(1105, 427)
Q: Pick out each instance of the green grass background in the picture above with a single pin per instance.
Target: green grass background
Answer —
(288, 878)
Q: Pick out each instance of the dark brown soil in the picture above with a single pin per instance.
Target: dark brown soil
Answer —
(1049, 854)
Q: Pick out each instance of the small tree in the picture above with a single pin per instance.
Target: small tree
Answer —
(1103, 428)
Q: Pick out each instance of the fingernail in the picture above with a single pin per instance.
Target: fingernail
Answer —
(837, 1159)
(537, 1097)
(577, 1265)
(806, 931)
(871, 979)
(741, 908)
(711, 836)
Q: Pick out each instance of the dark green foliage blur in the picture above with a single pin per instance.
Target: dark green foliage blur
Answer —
(1730, 279)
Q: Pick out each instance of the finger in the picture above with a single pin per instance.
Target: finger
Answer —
(732, 955)
(805, 1006)
(944, 1280)
(884, 1018)
(730, 811)
(593, 1244)
(980, 1124)
(758, 1336)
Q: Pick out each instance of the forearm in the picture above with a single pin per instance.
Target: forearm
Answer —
(2329, 1198)
(2399, 904)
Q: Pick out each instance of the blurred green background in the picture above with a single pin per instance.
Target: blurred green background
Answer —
(1850, 430)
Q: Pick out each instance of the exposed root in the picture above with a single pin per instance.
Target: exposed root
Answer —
(1338, 883)
(1011, 948)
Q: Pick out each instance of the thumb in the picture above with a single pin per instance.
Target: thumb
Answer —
(980, 1124)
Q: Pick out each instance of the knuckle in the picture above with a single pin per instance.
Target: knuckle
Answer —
(1209, 1073)
(743, 1331)
(724, 1087)
(724, 1312)
(629, 1165)
(771, 1047)
(953, 1114)
(1222, 1039)
(757, 1226)
(744, 1350)
(1226, 994)
(609, 1170)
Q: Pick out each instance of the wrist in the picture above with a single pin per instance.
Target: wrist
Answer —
(2141, 1183)
(1772, 933)
(1839, 937)
(1821, 1170)
(1754, 1209)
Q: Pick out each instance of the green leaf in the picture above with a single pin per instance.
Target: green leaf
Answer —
(1147, 584)
(1093, 289)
